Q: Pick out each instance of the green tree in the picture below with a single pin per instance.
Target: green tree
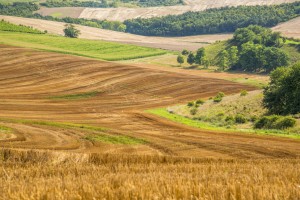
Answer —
(224, 61)
(199, 56)
(180, 59)
(185, 52)
(282, 95)
(274, 57)
(251, 57)
(205, 62)
(71, 31)
(191, 59)
(233, 56)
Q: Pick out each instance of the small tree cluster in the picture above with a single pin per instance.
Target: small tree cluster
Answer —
(70, 31)
(198, 58)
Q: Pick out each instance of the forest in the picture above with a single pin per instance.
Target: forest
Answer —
(219, 20)
(109, 4)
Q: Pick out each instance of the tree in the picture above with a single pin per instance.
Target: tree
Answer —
(191, 59)
(185, 52)
(199, 56)
(180, 59)
(251, 57)
(71, 31)
(205, 62)
(282, 95)
(224, 61)
(233, 56)
(274, 58)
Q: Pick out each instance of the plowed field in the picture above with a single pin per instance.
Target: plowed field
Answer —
(40, 102)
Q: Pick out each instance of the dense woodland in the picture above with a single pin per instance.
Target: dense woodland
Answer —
(253, 49)
(220, 20)
(109, 4)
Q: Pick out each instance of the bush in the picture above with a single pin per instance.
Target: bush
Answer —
(244, 93)
(71, 31)
(200, 101)
(194, 111)
(219, 97)
(190, 104)
(275, 122)
(240, 119)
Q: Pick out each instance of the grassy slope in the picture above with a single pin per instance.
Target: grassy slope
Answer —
(211, 116)
(88, 48)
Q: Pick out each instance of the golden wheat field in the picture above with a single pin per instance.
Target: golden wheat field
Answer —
(77, 128)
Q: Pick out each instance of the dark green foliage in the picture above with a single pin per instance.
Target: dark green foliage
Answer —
(185, 52)
(190, 104)
(18, 9)
(257, 35)
(199, 56)
(219, 97)
(27, 10)
(106, 4)
(254, 49)
(6, 26)
(200, 102)
(110, 25)
(220, 20)
(275, 122)
(240, 119)
(71, 31)
(191, 58)
(282, 95)
(180, 59)
(69, 3)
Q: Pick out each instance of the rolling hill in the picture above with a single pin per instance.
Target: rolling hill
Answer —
(121, 14)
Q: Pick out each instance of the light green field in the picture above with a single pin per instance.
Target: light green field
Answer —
(85, 95)
(82, 47)
(212, 116)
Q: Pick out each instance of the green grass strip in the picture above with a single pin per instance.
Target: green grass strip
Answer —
(162, 112)
(85, 95)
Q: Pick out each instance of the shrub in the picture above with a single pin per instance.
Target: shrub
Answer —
(244, 93)
(218, 98)
(194, 111)
(275, 122)
(190, 104)
(240, 119)
(200, 101)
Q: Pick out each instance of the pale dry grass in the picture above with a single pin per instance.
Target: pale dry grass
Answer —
(45, 175)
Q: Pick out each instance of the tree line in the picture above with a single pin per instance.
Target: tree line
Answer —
(218, 20)
(110, 4)
(27, 10)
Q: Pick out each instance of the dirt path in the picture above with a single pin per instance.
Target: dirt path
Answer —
(28, 78)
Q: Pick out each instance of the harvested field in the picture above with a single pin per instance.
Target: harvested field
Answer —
(170, 43)
(290, 28)
(30, 78)
(46, 175)
(121, 14)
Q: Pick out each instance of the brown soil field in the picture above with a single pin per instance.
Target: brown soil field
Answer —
(44, 156)
(29, 78)
(170, 43)
(121, 14)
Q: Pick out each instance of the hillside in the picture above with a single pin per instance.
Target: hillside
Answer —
(121, 14)
(170, 43)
